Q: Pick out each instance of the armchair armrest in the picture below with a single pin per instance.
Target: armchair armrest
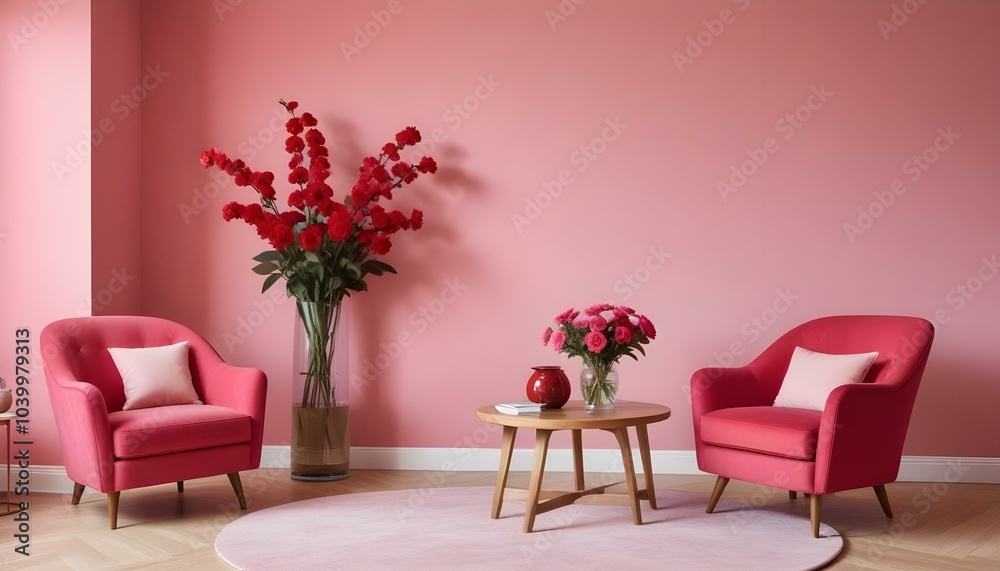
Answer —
(84, 431)
(243, 389)
(716, 388)
(861, 436)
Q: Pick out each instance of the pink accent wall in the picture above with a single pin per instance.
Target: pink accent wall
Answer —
(45, 182)
(589, 156)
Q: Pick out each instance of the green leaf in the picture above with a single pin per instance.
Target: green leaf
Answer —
(377, 267)
(312, 257)
(269, 256)
(265, 268)
(271, 279)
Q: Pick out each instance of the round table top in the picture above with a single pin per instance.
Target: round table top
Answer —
(573, 415)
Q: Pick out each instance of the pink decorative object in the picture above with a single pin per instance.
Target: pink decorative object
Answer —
(549, 386)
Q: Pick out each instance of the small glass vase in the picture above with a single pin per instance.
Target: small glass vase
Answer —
(599, 386)
(321, 442)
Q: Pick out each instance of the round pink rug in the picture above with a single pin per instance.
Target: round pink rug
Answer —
(450, 528)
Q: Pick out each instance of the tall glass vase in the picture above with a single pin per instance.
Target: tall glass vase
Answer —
(321, 444)
(599, 385)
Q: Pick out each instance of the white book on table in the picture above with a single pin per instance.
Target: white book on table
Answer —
(518, 407)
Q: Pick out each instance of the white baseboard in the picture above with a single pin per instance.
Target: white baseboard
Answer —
(440, 461)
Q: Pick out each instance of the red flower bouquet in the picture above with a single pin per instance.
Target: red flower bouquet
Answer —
(324, 248)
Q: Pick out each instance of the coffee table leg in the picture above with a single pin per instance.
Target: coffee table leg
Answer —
(537, 472)
(578, 459)
(622, 435)
(647, 469)
(506, 451)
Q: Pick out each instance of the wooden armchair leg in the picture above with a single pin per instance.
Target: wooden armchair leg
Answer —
(720, 484)
(883, 500)
(234, 479)
(180, 487)
(77, 493)
(113, 509)
(792, 495)
(815, 506)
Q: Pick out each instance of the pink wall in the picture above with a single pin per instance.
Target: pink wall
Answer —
(45, 222)
(118, 89)
(513, 94)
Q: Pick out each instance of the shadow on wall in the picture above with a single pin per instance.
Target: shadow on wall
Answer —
(434, 270)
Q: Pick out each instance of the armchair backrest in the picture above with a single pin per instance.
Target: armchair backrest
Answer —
(76, 349)
(903, 344)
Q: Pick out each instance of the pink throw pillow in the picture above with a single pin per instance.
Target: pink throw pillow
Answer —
(155, 376)
(812, 376)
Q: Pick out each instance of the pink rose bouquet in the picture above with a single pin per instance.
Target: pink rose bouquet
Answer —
(601, 335)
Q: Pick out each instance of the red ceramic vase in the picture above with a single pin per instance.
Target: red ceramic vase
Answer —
(549, 386)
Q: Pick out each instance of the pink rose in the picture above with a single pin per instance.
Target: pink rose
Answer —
(623, 335)
(558, 340)
(581, 323)
(598, 323)
(595, 341)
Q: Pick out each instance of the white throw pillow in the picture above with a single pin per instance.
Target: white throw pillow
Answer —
(155, 376)
(812, 376)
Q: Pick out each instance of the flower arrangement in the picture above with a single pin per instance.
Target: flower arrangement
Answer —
(602, 335)
(323, 248)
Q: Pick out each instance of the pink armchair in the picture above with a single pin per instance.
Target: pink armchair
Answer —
(856, 441)
(110, 449)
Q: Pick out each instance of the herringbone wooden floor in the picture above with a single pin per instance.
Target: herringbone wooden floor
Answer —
(937, 526)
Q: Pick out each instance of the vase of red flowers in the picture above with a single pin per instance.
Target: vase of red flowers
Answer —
(601, 335)
(324, 249)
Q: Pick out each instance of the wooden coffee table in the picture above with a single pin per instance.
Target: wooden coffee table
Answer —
(573, 416)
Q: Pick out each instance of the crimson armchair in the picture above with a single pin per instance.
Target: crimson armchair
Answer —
(854, 441)
(110, 449)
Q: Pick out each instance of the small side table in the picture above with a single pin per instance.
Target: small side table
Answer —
(5, 420)
(573, 416)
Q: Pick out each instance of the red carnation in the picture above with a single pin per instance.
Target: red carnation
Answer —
(308, 120)
(231, 211)
(296, 160)
(291, 105)
(294, 126)
(401, 169)
(391, 150)
(408, 136)
(380, 245)
(427, 165)
(417, 219)
(291, 217)
(253, 213)
(339, 224)
(294, 144)
(314, 137)
(379, 217)
(280, 236)
(299, 175)
(312, 237)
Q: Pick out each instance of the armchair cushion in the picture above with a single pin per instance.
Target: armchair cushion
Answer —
(784, 432)
(155, 376)
(812, 376)
(179, 428)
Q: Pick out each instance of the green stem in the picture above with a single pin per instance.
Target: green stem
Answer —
(320, 321)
